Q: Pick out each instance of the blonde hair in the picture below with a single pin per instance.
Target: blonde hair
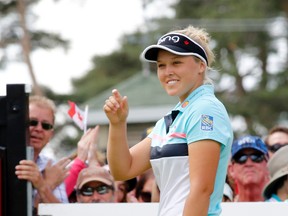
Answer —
(202, 37)
(43, 102)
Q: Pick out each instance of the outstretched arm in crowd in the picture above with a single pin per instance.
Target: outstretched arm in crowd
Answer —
(55, 174)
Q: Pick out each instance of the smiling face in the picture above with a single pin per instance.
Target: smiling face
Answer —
(179, 75)
(38, 136)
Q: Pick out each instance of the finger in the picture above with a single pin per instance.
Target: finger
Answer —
(63, 162)
(117, 95)
(27, 162)
(73, 155)
(113, 103)
(26, 165)
(94, 135)
(125, 103)
(86, 134)
(85, 137)
(49, 164)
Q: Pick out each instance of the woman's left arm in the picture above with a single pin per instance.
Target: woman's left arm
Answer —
(203, 163)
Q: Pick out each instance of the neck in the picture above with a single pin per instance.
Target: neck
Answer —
(282, 192)
(36, 154)
(250, 194)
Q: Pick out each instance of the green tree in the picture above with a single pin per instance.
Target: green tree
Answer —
(15, 32)
(250, 41)
(244, 41)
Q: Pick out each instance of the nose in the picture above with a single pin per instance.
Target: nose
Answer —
(95, 197)
(169, 70)
(38, 126)
(249, 161)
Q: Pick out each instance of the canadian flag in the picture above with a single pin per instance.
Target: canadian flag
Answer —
(78, 116)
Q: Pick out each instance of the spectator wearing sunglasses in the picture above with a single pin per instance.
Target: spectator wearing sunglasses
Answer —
(248, 168)
(47, 179)
(277, 188)
(277, 138)
(95, 185)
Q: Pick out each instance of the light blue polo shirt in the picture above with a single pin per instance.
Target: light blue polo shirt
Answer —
(202, 116)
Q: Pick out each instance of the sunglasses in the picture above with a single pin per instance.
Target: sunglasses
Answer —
(145, 196)
(46, 126)
(257, 158)
(276, 147)
(88, 191)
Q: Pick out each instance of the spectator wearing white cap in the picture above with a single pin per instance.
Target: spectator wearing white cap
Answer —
(277, 188)
(95, 185)
(227, 193)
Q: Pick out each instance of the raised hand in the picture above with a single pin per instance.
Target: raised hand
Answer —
(93, 159)
(116, 108)
(55, 174)
(83, 146)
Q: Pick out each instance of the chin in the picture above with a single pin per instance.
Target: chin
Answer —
(171, 93)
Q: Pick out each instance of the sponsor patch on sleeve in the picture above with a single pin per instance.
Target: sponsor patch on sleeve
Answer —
(206, 123)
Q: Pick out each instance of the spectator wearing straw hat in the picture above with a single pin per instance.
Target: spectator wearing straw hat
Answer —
(277, 188)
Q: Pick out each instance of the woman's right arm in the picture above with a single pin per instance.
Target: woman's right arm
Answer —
(124, 163)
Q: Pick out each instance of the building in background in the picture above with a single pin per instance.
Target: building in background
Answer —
(148, 102)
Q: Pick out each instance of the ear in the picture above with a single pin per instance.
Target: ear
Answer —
(51, 134)
(230, 170)
(202, 67)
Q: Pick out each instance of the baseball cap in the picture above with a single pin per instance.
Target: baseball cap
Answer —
(249, 141)
(278, 167)
(94, 174)
(175, 43)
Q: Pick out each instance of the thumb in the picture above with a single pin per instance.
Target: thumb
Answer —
(49, 164)
(125, 103)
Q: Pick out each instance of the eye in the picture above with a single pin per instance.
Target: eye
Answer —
(160, 65)
(177, 62)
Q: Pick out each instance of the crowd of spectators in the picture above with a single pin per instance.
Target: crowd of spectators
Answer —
(257, 172)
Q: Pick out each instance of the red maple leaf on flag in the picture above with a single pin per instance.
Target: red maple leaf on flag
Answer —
(76, 114)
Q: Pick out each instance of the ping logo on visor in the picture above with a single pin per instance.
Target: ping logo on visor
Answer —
(178, 44)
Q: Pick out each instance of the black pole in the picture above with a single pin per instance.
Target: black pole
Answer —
(14, 136)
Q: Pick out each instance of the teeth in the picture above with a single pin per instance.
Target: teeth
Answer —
(171, 81)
